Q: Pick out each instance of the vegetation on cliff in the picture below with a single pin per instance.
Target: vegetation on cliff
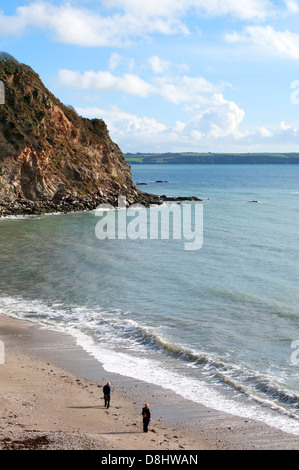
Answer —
(52, 159)
(213, 158)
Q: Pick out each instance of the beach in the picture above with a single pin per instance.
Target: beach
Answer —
(51, 398)
(149, 226)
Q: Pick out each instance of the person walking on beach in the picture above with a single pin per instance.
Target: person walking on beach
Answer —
(107, 392)
(146, 414)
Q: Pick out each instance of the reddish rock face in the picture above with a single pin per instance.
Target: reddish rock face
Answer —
(50, 157)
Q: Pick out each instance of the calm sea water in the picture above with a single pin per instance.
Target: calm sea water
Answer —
(217, 325)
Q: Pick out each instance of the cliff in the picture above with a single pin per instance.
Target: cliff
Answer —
(52, 159)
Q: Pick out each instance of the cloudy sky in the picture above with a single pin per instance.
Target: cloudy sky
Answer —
(168, 75)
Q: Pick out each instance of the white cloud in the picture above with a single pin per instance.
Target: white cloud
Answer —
(212, 120)
(164, 8)
(208, 114)
(81, 26)
(264, 132)
(215, 117)
(159, 65)
(118, 61)
(243, 9)
(203, 119)
(126, 128)
(173, 89)
(292, 6)
(215, 126)
(114, 61)
(179, 89)
(266, 38)
(104, 81)
(279, 138)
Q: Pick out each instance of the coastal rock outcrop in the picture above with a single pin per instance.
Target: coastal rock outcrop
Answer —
(52, 159)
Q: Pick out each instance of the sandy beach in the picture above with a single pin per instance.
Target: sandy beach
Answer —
(51, 398)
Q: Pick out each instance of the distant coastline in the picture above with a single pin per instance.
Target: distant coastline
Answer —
(212, 158)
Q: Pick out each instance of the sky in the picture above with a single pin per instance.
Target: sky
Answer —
(168, 75)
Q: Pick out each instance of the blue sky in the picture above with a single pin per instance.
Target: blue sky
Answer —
(168, 75)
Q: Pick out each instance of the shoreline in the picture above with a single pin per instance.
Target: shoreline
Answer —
(150, 201)
(49, 386)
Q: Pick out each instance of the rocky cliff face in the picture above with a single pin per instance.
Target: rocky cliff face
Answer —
(51, 159)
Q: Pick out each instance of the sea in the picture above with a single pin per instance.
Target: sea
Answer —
(218, 324)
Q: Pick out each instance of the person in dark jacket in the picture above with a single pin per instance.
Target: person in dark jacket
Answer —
(146, 414)
(107, 392)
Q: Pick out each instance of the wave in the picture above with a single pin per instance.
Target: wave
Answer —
(19, 217)
(239, 378)
(128, 348)
(152, 369)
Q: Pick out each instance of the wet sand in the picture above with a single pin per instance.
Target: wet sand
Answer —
(51, 398)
